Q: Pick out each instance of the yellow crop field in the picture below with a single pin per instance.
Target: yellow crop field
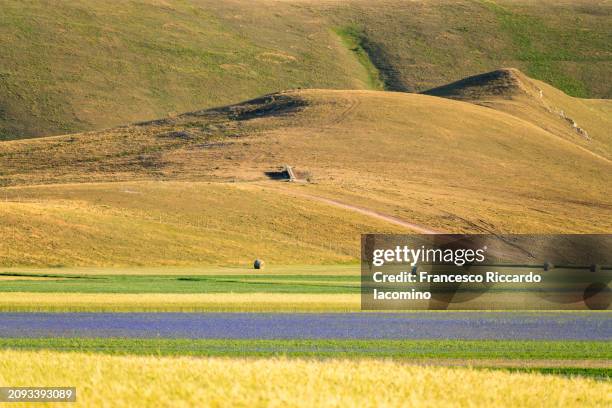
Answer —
(124, 381)
(269, 270)
(162, 302)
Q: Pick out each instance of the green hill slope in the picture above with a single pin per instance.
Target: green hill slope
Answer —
(82, 65)
(71, 66)
(422, 44)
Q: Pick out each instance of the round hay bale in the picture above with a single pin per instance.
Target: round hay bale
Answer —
(258, 264)
(597, 296)
(548, 266)
(595, 268)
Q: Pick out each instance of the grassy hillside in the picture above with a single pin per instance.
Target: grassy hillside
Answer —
(81, 65)
(70, 66)
(153, 223)
(420, 45)
(198, 188)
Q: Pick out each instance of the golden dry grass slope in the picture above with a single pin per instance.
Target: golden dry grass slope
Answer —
(195, 188)
(125, 381)
(585, 122)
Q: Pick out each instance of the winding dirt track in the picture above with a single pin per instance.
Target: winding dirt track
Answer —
(365, 211)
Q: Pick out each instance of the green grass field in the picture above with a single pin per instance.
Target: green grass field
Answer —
(253, 283)
(415, 349)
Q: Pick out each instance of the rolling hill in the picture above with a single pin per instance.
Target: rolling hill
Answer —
(84, 65)
(201, 187)
(510, 91)
(79, 65)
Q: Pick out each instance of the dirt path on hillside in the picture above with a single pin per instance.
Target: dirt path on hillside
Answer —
(365, 211)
